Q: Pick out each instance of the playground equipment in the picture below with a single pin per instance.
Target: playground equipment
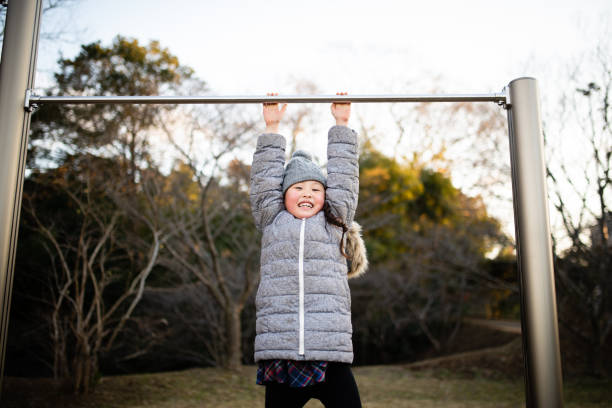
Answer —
(520, 98)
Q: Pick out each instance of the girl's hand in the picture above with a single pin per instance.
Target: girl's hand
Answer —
(272, 114)
(341, 111)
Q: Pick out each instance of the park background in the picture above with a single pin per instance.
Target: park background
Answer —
(137, 252)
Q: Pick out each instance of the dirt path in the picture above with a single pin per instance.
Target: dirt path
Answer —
(505, 357)
(509, 326)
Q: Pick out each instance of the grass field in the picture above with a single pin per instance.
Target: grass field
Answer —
(380, 386)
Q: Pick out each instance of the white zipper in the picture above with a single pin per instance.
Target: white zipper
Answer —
(301, 277)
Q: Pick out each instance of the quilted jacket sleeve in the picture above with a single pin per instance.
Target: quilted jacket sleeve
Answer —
(267, 170)
(342, 172)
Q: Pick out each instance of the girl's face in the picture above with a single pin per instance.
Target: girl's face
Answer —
(305, 199)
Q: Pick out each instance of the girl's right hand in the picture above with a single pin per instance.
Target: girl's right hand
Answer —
(272, 114)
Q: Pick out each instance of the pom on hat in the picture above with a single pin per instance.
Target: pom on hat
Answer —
(302, 153)
(302, 168)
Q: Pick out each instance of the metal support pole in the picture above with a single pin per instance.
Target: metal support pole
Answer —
(543, 381)
(17, 70)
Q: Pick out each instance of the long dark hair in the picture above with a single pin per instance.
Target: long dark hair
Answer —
(335, 220)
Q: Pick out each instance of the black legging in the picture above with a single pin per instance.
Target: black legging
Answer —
(339, 390)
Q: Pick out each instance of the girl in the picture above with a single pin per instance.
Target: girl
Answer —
(303, 343)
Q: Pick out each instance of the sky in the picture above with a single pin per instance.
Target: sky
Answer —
(243, 47)
(250, 47)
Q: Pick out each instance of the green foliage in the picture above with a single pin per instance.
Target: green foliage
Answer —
(409, 197)
(124, 68)
(427, 243)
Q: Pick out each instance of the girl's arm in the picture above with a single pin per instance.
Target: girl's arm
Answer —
(267, 170)
(342, 165)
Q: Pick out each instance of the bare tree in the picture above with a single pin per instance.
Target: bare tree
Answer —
(213, 240)
(579, 143)
(95, 282)
(177, 325)
(469, 140)
(432, 284)
(427, 241)
(49, 6)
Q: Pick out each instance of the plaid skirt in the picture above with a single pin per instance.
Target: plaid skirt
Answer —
(293, 373)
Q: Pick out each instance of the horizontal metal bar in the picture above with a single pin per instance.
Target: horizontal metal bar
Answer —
(74, 100)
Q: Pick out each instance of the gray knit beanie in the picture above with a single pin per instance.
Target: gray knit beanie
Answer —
(301, 168)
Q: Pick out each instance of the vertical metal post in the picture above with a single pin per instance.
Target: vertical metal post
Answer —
(543, 381)
(17, 70)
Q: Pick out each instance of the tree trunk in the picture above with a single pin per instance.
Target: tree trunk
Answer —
(85, 367)
(61, 369)
(596, 351)
(234, 337)
(78, 374)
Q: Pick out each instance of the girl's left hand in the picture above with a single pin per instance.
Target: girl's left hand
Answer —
(341, 111)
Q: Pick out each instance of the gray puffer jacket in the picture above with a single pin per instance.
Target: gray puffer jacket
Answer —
(303, 301)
